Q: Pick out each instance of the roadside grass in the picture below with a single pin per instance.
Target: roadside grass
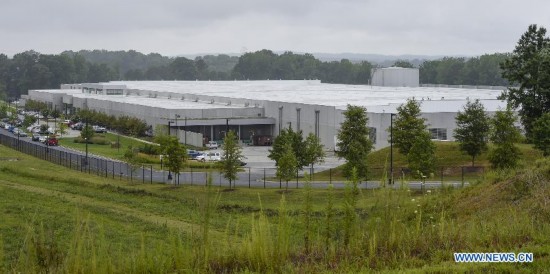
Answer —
(60, 220)
(449, 160)
(111, 151)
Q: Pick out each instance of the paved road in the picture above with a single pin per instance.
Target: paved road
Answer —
(257, 175)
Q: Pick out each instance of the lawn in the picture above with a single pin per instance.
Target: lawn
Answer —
(60, 220)
(110, 150)
(449, 163)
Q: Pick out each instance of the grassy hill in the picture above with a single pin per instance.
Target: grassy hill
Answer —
(449, 160)
(60, 220)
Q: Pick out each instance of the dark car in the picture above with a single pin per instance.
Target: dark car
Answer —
(192, 154)
(77, 126)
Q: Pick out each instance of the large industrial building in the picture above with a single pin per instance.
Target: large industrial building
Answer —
(257, 110)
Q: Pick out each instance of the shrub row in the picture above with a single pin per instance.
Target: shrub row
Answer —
(123, 124)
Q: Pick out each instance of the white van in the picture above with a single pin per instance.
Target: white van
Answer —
(209, 156)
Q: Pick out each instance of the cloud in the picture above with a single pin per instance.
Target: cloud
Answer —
(173, 27)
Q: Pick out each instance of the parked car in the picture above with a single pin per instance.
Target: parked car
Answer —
(212, 145)
(35, 137)
(42, 138)
(77, 126)
(51, 141)
(99, 129)
(192, 154)
(19, 132)
(210, 156)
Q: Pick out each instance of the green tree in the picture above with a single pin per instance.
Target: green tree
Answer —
(62, 128)
(472, 130)
(296, 141)
(176, 154)
(28, 120)
(313, 151)
(46, 113)
(43, 128)
(529, 67)
(421, 156)
(503, 135)
(354, 143)
(407, 125)
(403, 64)
(298, 146)
(87, 133)
(232, 157)
(3, 111)
(131, 157)
(277, 150)
(287, 164)
(541, 134)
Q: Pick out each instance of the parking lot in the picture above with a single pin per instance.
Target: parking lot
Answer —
(256, 157)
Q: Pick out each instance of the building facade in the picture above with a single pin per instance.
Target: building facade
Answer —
(257, 109)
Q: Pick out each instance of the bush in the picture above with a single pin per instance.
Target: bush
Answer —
(150, 149)
(100, 140)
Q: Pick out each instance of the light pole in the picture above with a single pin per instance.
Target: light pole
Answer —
(86, 140)
(169, 123)
(185, 131)
(226, 126)
(177, 129)
(391, 148)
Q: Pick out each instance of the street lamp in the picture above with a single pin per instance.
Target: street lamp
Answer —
(185, 131)
(177, 129)
(391, 148)
(86, 140)
(169, 123)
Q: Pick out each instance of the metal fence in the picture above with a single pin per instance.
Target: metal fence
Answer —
(248, 177)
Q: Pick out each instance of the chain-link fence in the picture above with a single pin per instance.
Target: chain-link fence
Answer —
(247, 177)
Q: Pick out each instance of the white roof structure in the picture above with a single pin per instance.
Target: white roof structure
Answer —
(154, 102)
(313, 92)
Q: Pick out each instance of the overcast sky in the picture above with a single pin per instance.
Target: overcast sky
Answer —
(179, 27)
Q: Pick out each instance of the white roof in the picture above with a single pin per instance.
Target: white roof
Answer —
(154, 102)
(311, 92)
(441, 106)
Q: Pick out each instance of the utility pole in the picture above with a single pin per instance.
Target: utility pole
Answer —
(391, 148)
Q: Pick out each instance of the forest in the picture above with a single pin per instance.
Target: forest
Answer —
(33, 70)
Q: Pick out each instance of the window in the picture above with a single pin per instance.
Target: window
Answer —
(114, 91)
(372, 134)
(438, 133)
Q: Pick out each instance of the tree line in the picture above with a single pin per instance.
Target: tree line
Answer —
(483, 70)
(32, 70)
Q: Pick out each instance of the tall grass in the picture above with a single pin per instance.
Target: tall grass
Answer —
(394, 230)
